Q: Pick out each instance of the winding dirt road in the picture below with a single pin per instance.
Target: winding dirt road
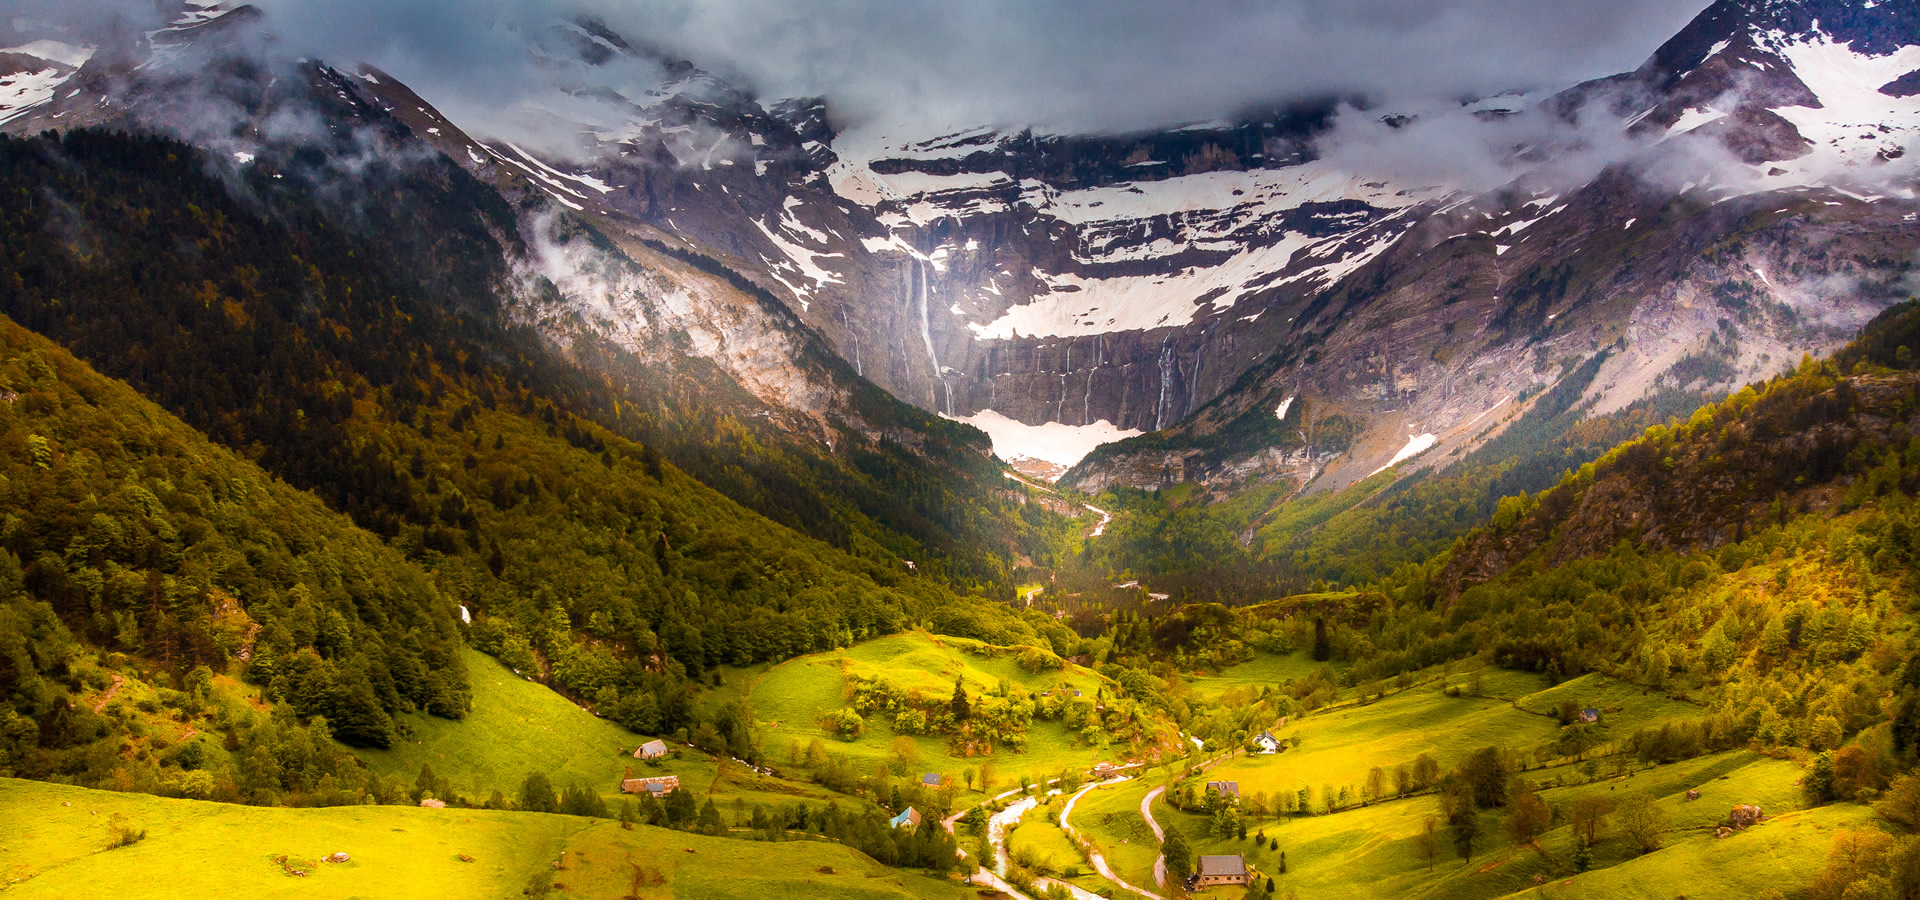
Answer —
(1159, 835)
(1100, 861)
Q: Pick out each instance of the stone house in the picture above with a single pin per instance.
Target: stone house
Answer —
(1218, 870)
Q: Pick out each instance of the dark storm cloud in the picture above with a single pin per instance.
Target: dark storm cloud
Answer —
(1057, 64)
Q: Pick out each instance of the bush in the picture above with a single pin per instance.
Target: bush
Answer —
(120, 834)
(846, 723)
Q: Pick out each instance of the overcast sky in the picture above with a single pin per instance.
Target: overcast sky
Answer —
(1070, 65)
(1058, 64)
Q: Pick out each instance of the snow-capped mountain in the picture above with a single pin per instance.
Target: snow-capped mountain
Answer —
(576, 270)
(1747, 195)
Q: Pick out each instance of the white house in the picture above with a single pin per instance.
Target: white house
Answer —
(1266, 742)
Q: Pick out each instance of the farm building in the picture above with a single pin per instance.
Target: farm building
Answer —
(908, 818)
(1105, 770)
(1224, 788)
(659, 786)
(1216, 870)
(1266, 742)
(1589, 715)
(931, 779)
(653, 749)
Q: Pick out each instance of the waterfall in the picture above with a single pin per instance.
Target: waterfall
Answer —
(848, 325)
(919, 288)
(1193, 378)
(1166, 382)
(1086, 403)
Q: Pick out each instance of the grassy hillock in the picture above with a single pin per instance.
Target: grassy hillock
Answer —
(793, 702)
(519, 726)
(183, 848)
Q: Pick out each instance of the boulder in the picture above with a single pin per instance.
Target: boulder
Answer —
(1744, 816)
(338, 858)
(1693, 795)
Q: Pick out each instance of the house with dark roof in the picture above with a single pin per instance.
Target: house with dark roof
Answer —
(653, 749)
(932, 779)
(908, 818)
(1218, 870)
(1224, 788)
(1104, 770)
(1266, 742)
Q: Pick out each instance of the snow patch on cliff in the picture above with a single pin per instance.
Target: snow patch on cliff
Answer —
(1856, 129)
(1054, 442)
(1416, 445)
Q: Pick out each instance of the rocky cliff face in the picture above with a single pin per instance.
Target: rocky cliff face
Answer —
(1765, 210)
(1061, 291)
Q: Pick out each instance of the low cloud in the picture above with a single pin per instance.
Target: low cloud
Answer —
(1066, 65)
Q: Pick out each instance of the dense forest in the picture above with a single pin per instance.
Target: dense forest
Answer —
(128, 534)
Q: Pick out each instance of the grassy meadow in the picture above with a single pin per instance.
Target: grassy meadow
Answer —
(1110, 817)
(195, 849)
(1323, 853)
(1262, 671)
(1338, 745)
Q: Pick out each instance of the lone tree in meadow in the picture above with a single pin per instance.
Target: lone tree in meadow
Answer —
(1426, 771)
(959, 703)
(1588, 814)
(1428, 841)
(536, 794)
(1643, 821)
(1322, 650)
(1527, 818)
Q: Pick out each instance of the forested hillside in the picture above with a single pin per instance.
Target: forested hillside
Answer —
(1760, 558)
(143, 564)
(584, 553)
